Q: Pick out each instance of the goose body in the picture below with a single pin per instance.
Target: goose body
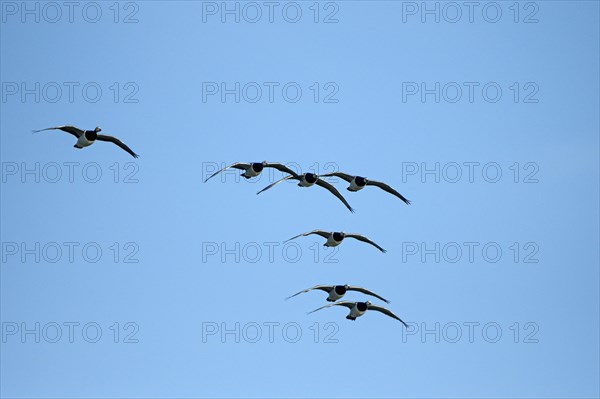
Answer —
(357, 183)
(336, 292)
(86, 138)
(335, 238)
(254, 170)
(358, 309)
(308, 179)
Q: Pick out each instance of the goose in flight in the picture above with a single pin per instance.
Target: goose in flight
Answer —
(86, 138)
(335, 238)
(253, 169)
(358, 309)
(358, 183)
(307, 180)
(338, 291)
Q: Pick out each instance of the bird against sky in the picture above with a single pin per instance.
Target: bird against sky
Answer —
(357, 183)
(308, 180)
(358, 309)
(252, 169)
(338, 291)
(335, 238)
(86, 138)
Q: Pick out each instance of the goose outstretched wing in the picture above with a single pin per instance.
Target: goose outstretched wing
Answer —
(344, 176)
(387, 312)
(387, 188)
(322, 233)
(277, 182)
(335, 192)
(75, 131)
(362, 238)
(367, 292)
(237, 165)
(325, 288)
(281, 167)
(347, 304)
(114, 140)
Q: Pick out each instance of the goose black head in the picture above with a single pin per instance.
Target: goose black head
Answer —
(341, 289)
(338, 236)
(360, 181)
(258, 166)
(92, 134)
(311, 178)
(363, 306)
(98, 129)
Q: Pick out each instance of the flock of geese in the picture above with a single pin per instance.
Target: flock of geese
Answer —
(86, 138)
(333, 238)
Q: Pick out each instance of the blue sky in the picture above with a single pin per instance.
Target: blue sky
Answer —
(177, 276)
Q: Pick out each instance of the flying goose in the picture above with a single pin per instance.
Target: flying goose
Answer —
(358, 309)
(335, 238)
(307, 180)
(358, 183)
(86, 138)
(253, 169)
(337, 291)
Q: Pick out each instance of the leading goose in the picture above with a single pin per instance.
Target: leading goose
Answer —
(358, 183)
(335, 238)
(358, 309)
(338, 291)
(86, 138)
(307, 180)
(252, 169)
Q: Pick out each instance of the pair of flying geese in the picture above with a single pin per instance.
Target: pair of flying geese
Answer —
(335, 292)
(357, 309)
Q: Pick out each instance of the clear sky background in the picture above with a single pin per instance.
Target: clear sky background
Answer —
(186, 235)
